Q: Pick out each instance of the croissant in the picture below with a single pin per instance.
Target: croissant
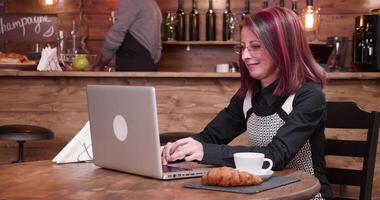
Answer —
(13, 58)
(227, 176)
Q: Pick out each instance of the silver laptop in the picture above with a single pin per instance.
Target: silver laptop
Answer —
(124, 132)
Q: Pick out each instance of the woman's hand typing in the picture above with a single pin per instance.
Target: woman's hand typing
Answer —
(187, 149)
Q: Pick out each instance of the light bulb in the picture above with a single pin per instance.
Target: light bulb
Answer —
(48, 2)
(310, 17)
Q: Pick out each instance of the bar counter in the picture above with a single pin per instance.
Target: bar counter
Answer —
(187, 101)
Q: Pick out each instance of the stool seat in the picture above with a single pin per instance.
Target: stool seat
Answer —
(173, 136)
(25, 132)
(22, 133)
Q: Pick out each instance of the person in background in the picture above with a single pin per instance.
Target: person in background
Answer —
(280, 102)
(135, 38)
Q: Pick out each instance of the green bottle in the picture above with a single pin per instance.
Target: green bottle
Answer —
(226, 22)
(210, 22)
(180, 34)
(282, 3)
(265, 4)
(294, 6)
(194, 23)
(164, 37)
(247, 8)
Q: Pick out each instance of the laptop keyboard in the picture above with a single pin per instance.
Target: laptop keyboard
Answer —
(167, 168)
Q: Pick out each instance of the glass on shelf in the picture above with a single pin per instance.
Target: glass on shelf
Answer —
(233, 22)
(316, 39)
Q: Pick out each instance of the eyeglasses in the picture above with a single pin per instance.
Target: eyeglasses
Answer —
(252, 48)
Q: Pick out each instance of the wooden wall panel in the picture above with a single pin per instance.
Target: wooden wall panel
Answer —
(184, 104)
(331, 23)
(33, 6)
(366, 94)
(198, 58)
(98, 24)
(100, 6)
(345, 6)
(65, 22)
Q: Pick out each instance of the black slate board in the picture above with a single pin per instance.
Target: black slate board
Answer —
(273, 182)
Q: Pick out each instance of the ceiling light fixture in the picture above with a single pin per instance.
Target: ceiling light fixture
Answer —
(48, 2)
(310, 17)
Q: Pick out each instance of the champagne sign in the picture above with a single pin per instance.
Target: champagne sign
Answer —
(28, 27)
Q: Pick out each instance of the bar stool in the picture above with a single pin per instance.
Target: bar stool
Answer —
(23, 133)
(173, 136)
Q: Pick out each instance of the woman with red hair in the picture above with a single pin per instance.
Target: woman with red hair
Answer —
(280, 103)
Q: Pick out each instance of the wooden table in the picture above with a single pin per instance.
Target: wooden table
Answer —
(45, 180)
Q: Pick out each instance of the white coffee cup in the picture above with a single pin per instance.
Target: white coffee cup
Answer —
(222, 68)
(252, 162)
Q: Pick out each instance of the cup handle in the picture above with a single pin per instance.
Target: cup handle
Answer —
(270, 165)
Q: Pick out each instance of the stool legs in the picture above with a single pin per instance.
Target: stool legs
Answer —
(20, 152)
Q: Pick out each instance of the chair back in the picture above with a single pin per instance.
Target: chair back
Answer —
(347, 115)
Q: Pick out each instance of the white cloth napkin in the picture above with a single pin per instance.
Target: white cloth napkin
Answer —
(49, 60)
(78, 149)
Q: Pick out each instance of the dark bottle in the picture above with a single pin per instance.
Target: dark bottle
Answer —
(294, 6)
(265, 4)
(227, 15)
(210, 22)
(247, 8)
(180, 33)
(282, 3)
(194, 23)
(164, 36)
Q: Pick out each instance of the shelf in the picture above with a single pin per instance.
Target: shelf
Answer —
(317, 43)
(221, 42)
(200, 42)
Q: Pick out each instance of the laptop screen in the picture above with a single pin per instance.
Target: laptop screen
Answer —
(124, 129)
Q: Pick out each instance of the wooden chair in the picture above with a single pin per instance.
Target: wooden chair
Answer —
(347, 115)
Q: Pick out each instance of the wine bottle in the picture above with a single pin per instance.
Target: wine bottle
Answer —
(282, 3)
(194, 22)
(210, 22)
(180, 34)
(294, 6)
(226, 22)
(247, 8)
(164, 36)
(265, 4)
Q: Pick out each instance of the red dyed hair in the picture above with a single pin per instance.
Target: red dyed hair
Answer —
(281, 33)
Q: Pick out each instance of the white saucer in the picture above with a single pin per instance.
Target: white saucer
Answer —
(264, 174)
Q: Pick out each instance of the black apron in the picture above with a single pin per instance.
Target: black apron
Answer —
(132, 56)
